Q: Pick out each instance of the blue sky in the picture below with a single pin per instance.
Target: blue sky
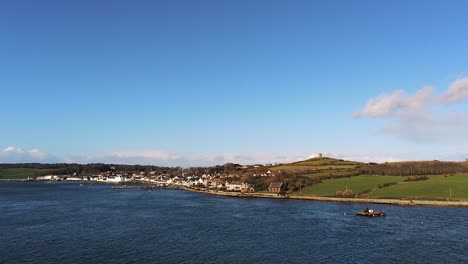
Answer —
(205, 82)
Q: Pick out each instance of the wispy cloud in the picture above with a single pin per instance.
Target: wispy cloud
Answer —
(418, 117)
(386, 105)
(17, 154)
(153, 157)
(368, 157)
(167, 158)
(426, 126)
(456, 92)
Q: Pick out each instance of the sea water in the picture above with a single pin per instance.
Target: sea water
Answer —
(91, 223)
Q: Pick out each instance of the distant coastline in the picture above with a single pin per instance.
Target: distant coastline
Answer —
(431, 183)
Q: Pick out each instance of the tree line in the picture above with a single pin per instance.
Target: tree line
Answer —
(410, 168)
(88, 169)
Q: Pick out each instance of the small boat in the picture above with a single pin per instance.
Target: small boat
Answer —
(371, 213)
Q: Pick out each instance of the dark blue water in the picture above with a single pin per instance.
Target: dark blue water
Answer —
(69, 223)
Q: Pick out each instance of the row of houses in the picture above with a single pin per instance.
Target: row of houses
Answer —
(203, 181)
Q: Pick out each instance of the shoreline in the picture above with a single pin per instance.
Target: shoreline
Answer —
(400, 202)
(19, 180)
(390, 201)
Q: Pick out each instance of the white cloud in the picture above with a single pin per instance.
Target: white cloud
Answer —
(167, 158)
(370, 157)
(420, 99)
(13, 150)
(14, 154)
(382, 106)
(386, 105)
(146, 154)
(37, 154)
(127, 157)
(415, 117)
(456, 92)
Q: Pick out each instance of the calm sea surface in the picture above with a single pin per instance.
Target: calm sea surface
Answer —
(73, 223)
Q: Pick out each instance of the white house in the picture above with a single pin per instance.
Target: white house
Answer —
(74, 179)
(233, 186)
(44, 178)
(113, 179)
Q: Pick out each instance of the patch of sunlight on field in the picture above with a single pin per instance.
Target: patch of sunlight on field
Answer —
(357, 184)
(435, 187)
(20, 173)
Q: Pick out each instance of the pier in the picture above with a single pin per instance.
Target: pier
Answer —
(151, 187)
(143, 187)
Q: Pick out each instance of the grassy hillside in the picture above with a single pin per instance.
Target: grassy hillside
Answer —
(329, 173)
(435, 187)
(358, 184)
(412, 180)
(20, 173)
(320, 166)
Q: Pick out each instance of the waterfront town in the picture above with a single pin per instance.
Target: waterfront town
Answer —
(230, 182)
(319, 178)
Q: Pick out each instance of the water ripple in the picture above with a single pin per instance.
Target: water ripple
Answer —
(69, 223)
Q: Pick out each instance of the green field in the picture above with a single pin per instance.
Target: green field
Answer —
(435, 187)
(325, 173)
(317, 164)
(20, 173)
(357, 184)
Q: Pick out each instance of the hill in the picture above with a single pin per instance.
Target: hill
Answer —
(316, 167)
(412, 180)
